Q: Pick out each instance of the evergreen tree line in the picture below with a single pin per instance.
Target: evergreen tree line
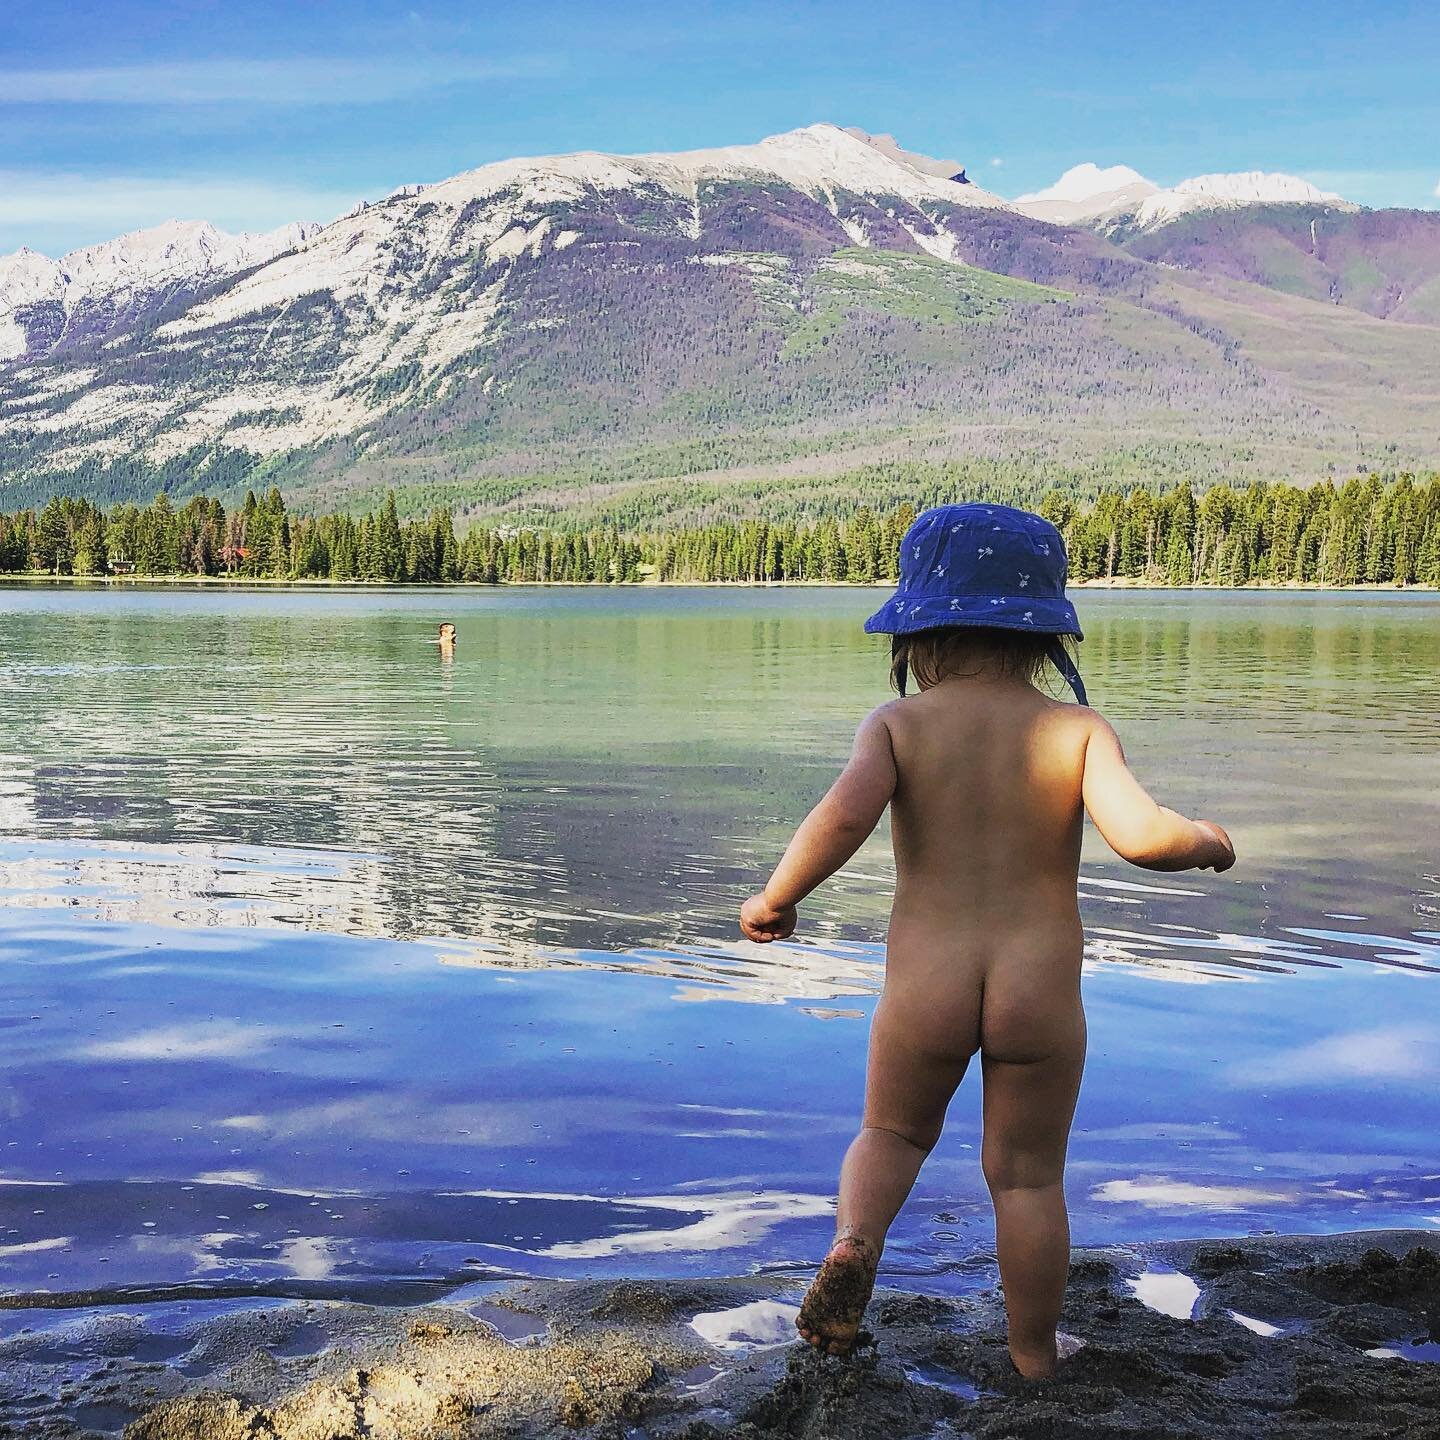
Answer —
(1365, 531)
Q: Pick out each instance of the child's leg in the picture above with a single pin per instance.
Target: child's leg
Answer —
(1028, 1108)
(907, 1089)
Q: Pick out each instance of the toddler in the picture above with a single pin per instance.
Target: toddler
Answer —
(987, 779)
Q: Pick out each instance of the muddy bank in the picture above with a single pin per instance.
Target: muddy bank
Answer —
(1275, 1338)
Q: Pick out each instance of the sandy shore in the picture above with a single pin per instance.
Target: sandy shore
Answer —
(698, 1360)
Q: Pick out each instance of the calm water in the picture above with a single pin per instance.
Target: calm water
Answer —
(330, 967)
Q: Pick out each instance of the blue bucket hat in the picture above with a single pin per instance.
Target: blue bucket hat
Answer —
(985, 565)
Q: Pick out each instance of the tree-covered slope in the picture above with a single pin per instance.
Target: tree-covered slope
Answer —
(1383, 262)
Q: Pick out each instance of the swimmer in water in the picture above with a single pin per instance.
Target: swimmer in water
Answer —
(446, 639)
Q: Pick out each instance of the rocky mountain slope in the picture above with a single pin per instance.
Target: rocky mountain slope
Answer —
(540, 330)
(45, 304)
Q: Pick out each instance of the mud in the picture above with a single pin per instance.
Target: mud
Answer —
(623, 1362)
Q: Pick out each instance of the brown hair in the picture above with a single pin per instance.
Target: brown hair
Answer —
(932, 655)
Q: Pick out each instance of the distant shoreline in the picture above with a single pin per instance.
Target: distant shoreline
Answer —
(237, 582)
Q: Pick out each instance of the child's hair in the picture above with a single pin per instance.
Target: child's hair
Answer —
(931, 655)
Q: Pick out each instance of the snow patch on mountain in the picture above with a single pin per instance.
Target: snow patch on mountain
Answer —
(176, 250)
(1221, 192)
(1117, 195)
(825, 156)
(504, 206)
(817, 159)
(120, 271)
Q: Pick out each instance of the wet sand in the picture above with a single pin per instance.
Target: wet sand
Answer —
(1293, 1337)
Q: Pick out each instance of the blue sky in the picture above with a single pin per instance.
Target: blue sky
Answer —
(122, 113)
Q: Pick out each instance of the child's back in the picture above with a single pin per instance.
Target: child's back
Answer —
(986, 814)
(987, 780)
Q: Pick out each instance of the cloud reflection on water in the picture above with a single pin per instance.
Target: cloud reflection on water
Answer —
(217, 888)
(1391, 1052)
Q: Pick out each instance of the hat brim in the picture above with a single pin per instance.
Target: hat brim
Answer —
(906, 614)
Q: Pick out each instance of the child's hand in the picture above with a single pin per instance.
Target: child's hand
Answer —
(1222, 857)
(762, 921)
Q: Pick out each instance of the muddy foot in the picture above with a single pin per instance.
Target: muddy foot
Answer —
(830, 1314)
(1041, 1365)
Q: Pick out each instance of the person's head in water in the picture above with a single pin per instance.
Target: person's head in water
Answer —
(447, 633)
(982, 591)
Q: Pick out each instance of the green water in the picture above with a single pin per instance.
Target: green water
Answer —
(622, 762)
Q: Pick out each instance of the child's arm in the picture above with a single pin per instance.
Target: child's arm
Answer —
(1134, 826)
(829, 835)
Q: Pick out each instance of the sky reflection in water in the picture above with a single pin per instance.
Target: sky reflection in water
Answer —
(327, 967)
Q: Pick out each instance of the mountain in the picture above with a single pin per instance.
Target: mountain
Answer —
(1228, 192)
(1118, 198)
(681, 335)
(45, 304)
(1267, 229)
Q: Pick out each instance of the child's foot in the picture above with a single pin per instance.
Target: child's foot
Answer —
(1040, 1364)
(830, 1314)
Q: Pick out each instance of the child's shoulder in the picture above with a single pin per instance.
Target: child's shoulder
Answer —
(1060, 721)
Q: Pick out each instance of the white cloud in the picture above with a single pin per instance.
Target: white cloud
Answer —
(726, 1221)
(996, 161)
(34, 1247)
(251, 1178)
(308, 1258)
(208, 1040)
(1161, 1193)
(759, 1324)
(1437, 189)
(1395, 1052)
(1166, 1291)
(290, 83)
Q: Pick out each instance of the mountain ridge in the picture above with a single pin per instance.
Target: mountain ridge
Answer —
(135, 266)
(539, 325)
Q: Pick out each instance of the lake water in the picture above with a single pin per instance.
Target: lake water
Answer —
(331, 967)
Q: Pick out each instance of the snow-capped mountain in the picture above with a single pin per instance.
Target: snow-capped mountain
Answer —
(1226, 192)
(534, 313)
(44, 300)
(416, 281)
(1117, 196)
(44, 303)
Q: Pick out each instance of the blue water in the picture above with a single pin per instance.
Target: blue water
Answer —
(327, 967)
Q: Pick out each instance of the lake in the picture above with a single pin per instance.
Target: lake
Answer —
(332, 967)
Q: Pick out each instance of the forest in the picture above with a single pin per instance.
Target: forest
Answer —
(1363, 531)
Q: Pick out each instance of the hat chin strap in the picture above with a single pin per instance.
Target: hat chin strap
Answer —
(1060, 658)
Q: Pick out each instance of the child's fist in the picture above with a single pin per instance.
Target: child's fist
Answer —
(762, 921)
(1222, 857)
